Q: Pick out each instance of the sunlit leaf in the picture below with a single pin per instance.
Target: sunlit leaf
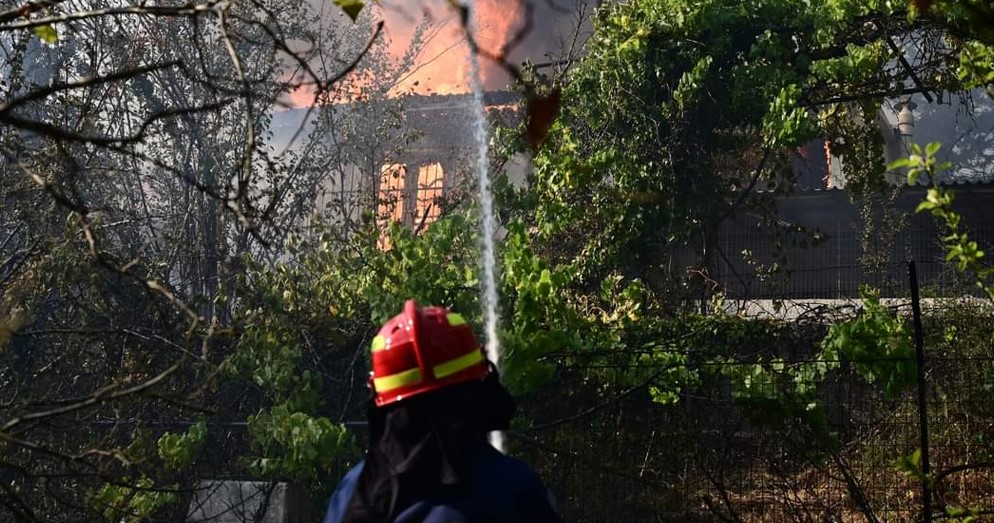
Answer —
(351, 7)
(898, 164)
(46, 33)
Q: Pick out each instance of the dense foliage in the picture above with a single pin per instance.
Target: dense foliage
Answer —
(156, 295)
(681, 111)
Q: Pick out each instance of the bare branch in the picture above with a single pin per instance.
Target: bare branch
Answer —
(27, 9)
(56, 87)
(102, 395)
(56, 132)
(182, 11)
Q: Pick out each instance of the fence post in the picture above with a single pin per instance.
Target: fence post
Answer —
(916, 310)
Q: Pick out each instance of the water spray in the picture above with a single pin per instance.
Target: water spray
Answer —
(489, 223)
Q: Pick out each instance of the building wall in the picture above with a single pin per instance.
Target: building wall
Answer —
(832, 268)
(435, 161)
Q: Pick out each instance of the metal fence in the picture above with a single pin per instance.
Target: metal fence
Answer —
(611, 454)
(751, 264)
(707, 463)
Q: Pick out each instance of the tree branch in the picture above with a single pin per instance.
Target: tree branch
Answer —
(56, 87)
(102, 395)
(184, 11)
(52, 131)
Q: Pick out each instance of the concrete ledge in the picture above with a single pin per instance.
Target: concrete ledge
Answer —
(832, 310)
(225, 501)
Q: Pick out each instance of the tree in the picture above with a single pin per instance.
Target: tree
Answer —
(679, 111)
(669, 123)
(135, 176)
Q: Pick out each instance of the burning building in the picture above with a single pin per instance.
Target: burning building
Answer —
(403, 156)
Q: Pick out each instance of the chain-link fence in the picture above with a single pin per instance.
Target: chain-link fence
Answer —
(754, 263)
(610, 453)
(611, 450)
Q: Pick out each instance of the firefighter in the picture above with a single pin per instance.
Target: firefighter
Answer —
(435, 399)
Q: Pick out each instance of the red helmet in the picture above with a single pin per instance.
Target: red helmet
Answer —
(421, 350)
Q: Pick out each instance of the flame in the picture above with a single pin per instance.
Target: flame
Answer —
(300, 96)
(441, 64)
(395, 197)
(431, 188)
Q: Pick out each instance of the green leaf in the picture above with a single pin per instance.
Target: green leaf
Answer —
(46, 33)
(899, 163)
(351, 7)
(913, 176)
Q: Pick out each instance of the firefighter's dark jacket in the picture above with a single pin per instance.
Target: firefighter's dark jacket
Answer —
(501, 490)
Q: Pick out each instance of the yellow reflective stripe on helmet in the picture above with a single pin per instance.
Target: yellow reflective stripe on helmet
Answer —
(455, 319)
(395, 381)
(379, 343)
(455, 365)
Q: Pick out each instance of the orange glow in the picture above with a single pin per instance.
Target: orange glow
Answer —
(392, 196)
(431, 187)
(392, 193)
(442, 67)
(395, 197)
(828, 164)
(301, 96)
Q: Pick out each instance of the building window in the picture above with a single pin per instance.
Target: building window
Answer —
(428, 197)
(390, 207)
(414, 202)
